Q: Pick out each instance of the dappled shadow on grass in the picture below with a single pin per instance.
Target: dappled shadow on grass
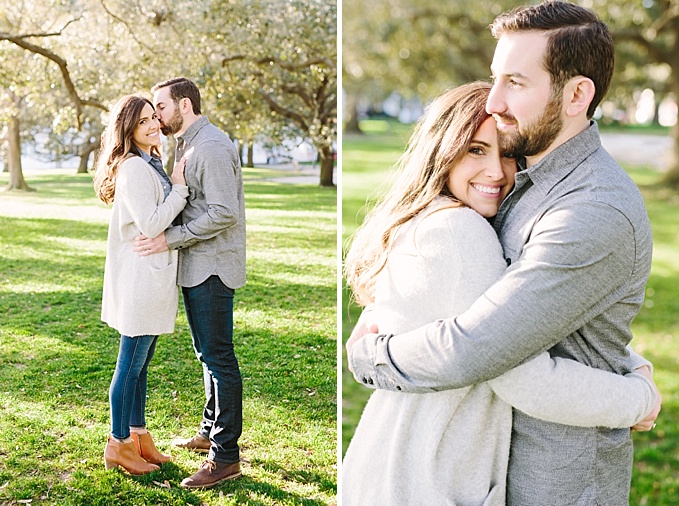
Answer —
(289, 197)
(57, 359)
(321, 480)
(274, 292)
(162, 487)
(53, 352)
(64, 189)
(31, 232)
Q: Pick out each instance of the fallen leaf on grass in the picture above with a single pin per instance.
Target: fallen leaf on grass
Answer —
(165, 484)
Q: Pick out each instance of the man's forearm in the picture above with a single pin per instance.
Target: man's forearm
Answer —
(548, 294)
(370, 352)
(205, 227)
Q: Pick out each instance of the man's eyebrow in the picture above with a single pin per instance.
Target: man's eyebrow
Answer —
(507, 74)
(515, 75)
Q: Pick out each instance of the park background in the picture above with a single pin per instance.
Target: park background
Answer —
(268, 76)
(398, 54)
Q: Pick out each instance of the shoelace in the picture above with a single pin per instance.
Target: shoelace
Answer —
(208, 463)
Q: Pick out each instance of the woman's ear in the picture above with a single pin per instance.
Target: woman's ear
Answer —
(578, 94)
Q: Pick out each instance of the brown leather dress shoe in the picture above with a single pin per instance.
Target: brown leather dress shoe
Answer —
(197, 443)
(211, 473)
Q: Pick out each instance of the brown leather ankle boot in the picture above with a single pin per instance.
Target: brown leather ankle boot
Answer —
(147, 449)
(126, 456)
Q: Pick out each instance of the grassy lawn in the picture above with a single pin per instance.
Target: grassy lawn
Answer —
(655, 480)
(57, 358)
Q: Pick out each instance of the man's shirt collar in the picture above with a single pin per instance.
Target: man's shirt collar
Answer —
(564, 159)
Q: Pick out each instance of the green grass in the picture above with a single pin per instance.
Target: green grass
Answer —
(57, 358)
(655, 480)
(653, 129)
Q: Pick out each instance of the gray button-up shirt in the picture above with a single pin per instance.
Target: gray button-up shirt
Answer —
(211, 237)
(577, 239)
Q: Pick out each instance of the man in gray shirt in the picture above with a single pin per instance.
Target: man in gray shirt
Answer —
(211, 243)
(577, 242)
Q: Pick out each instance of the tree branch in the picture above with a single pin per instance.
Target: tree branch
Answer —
(48, 34)
(124, 23)
(669, 16)
(281, 63)
(657, 53)
(63, 67)
(296, 118)
(296, 89)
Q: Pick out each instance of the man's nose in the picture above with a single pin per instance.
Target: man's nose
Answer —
(495, 103)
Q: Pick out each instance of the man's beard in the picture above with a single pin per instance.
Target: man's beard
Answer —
(535, 137)
(174, 124)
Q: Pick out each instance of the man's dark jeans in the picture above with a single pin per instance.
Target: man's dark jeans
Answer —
(209, 310)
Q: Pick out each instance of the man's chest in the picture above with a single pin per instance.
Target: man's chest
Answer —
(516, 219)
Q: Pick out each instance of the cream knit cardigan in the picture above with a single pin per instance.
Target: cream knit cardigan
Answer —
(140, 293)
(452, 447)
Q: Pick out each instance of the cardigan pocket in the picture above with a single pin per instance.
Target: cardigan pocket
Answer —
(165, 278)
(163, 260)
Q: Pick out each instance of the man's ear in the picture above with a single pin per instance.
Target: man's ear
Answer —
(578, 94)
(185, 105)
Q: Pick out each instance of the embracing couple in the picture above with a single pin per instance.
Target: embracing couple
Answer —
(187, 230)
(500, 275)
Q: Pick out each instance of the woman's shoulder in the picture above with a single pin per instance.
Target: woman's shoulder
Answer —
(442, 214)
(134, 167)
(459, 228)
(132, 161)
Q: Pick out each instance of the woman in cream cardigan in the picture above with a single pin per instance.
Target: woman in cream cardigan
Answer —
(427, 252)
(140, 293)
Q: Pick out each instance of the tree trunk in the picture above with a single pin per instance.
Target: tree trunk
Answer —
(671, 177)
(351, 115)
(327, 160)
(16, 175)
(239, 149)
(251, 154)
(3, 153)
(85, 151)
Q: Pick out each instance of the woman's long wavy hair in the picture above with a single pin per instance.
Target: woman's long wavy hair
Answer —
(441, 139)
(117, 144)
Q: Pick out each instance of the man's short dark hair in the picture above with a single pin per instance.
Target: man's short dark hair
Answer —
(181, 87)
(579, 43)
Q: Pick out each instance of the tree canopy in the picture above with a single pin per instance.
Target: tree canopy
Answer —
(266, 68)
(420, 48)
